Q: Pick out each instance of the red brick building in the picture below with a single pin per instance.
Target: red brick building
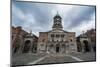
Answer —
(86, 42)
(18, 39)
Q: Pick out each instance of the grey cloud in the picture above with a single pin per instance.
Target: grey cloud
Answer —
(42, 14)
(79, 14)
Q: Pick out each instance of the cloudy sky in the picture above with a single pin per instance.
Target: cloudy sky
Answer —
(38, 17)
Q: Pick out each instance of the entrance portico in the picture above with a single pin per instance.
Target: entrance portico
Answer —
(57, 48)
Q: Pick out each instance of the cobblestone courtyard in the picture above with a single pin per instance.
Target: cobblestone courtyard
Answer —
(29, 58)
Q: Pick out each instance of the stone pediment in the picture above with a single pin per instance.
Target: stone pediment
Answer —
(57, 30)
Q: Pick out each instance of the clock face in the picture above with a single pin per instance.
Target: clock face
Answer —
(57, 18)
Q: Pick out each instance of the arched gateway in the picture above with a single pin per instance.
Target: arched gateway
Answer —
(86, 46)
(27, 46)
(30, 45)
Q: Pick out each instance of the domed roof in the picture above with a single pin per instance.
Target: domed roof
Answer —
(57, 16)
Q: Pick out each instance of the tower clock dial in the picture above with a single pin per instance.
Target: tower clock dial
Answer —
(57, 18)
(57, 22)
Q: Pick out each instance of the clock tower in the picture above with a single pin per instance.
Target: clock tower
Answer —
(57, 22)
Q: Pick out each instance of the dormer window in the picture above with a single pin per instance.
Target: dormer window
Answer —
(62, 35)
(57, 36)
(52, 35)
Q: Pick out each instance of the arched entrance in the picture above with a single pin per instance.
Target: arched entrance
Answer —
(27, 46)
(57, 48)
(86, 46)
